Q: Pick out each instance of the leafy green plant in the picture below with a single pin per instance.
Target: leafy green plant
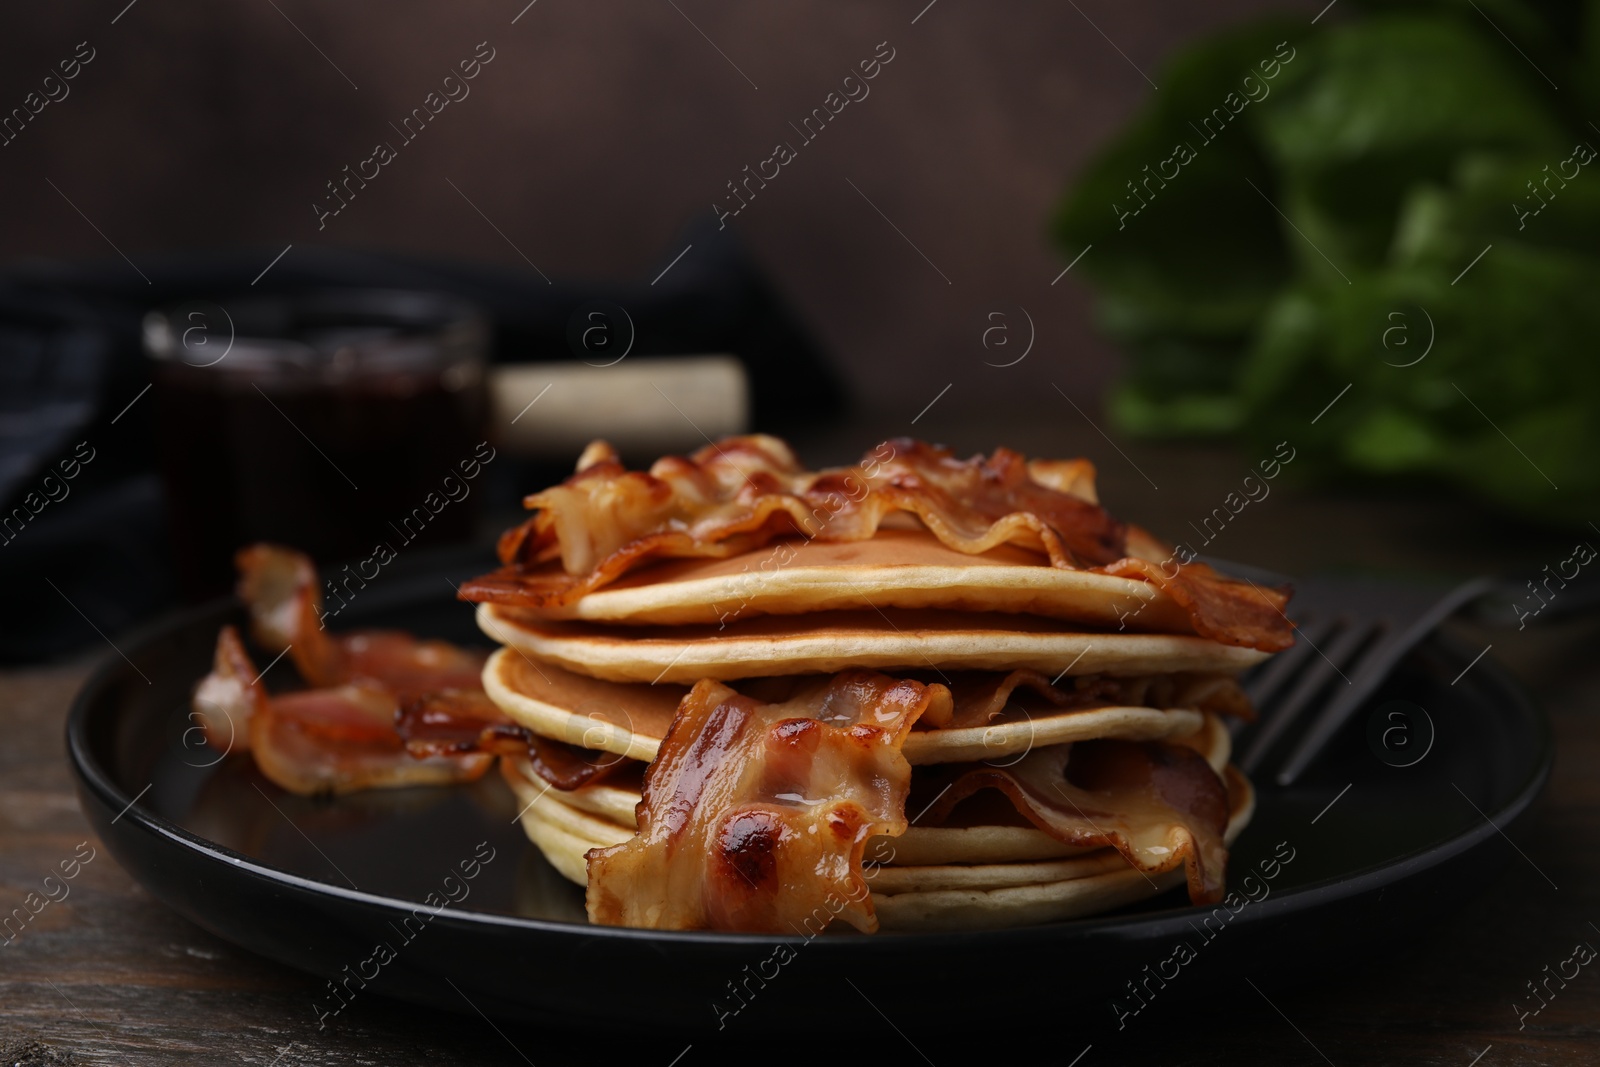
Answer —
(1301, 208)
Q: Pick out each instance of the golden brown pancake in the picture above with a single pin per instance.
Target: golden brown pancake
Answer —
(604, 810)
(930, 897)
(829, 642)
(630, 719)
(612, 603)
(894, 569)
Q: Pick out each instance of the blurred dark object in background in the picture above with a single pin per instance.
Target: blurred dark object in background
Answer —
(388, 388)
(92, 552)
(1399, 203)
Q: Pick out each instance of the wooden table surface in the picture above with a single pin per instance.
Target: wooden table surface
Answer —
(109, 975)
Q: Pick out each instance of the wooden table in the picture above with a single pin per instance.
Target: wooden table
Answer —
(108, 974)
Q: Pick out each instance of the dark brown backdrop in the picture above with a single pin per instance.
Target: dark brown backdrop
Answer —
(597, 131)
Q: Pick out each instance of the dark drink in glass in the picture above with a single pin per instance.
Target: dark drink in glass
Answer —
(341, 423)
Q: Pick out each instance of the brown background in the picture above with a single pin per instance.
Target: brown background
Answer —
(598, 131)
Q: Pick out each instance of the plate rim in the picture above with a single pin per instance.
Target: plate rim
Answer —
(98, 781)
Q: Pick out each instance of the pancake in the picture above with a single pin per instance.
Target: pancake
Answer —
(835, 641)
(919, 845)
(893, 878)
(624, 719)
(548, 808)
(603, 813)
(563, 849)
(927, 897)
(631, 719)
(991, 842)
(922, 846)
(895, 568)
(843, 632)
(611, 803)
(1020, 905)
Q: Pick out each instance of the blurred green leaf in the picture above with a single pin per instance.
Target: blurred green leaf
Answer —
(1392, 104)
(1437, 251)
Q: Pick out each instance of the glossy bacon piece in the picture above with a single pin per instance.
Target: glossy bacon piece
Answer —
(332, 740)
(228, 698)
(1234, 613)
(459, 721)
(754, 816)
(455, 721)
(279, 586)
(568, 767)
(1160, 805)
(742, 492)
(343, 740)
(340, 736)
(980, 503)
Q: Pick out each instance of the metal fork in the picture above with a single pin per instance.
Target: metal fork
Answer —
(1350, 634)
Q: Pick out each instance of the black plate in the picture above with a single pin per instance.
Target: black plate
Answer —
(1378, 852)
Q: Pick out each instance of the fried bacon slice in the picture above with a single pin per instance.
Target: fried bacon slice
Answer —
(332, 740)
(459, 721)
(279, 586)
(456, 721)
(742, 492)
(1160, 805)
(343, 740)
(754, 816)
(568, 767)
(1234, 613)
(341, 735)
(228, 698)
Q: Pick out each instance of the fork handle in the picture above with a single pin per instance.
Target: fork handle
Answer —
(1372, 675)
(1513, 603)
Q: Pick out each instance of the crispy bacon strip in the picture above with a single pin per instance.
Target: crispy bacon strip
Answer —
(1235, 613)
(567, 767)
(755, 816)
(339, 736)
(279, 586)
(228, 698)
(980, 698)
(742, 492)
(343, 740)
(1160, 805)
(459, 721)
(333, 740)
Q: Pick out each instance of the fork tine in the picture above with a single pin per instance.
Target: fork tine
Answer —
(1370, 673)
(1276, 672)
(1344, 646)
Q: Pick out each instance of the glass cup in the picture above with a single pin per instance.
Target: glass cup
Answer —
(334, 422)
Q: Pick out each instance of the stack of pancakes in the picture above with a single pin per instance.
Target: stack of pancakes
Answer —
(1033, 655)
